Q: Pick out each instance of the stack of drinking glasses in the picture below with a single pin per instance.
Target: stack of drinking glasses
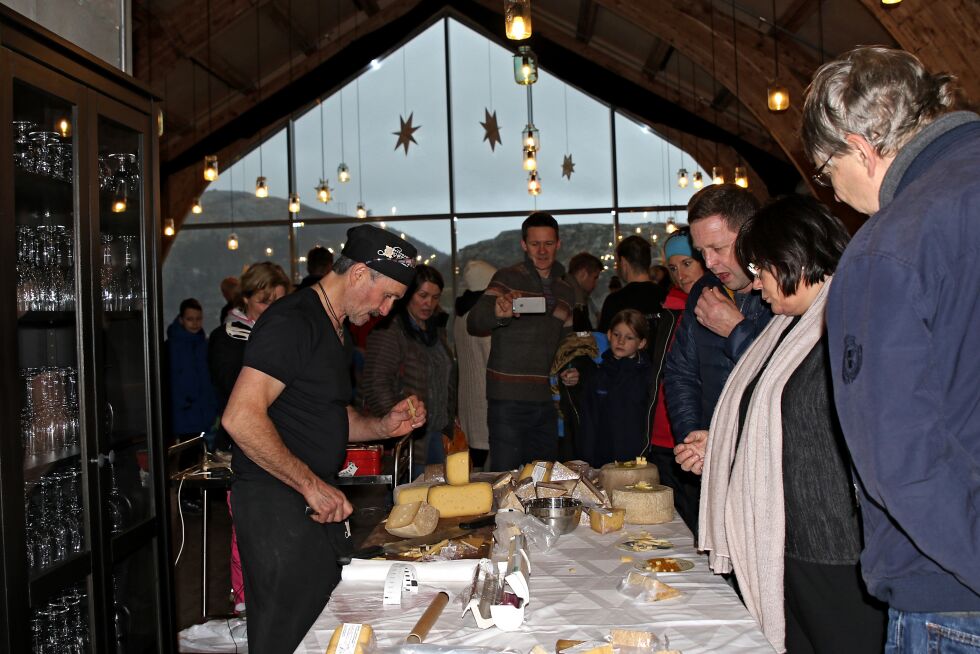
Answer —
(121, 287)
(45, 268)
(49, 418)
(61, 627)
(54, 518)
(44, 153)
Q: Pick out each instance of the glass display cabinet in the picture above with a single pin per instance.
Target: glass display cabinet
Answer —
(83, 516)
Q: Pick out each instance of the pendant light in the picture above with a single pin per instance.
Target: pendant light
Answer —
(741, 178)
(63, 127)
(361, 211)
(168, 227)
(697, 181)
(682, 179)
(671, 226)
(211, 166)
(322, 189)
(211, 160)
(261, 185)
(517, 19)
(533, 183)
(525, 66)
(119, 195)
(294, 203)
(777, 95)
(530, 160)
(232, 237)
(717, 175)
(196, 208)
(343, 171)
(233, 241)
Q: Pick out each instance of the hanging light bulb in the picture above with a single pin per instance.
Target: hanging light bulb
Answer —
(531, 138)
(717, 176)
(323, 191)
(890, 2)
(168, 227)
(211, 167)
(525, 66)
(517, 19)
(671, 226)
(682, 178)
(361, 212)
(119, 197)
(196, 208)
(741, 177)
(261, 188)
(64, 127)
(698, 180)
(533, 183)
(778, 97)
(233, 241)
(294, 203)
(343, 173)
(530, 160)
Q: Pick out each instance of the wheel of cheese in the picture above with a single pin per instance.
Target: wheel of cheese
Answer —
(618, 475)
(645, 505)
(411, 520)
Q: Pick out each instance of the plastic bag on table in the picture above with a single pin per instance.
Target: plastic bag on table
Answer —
(539, 536)
(644, 588)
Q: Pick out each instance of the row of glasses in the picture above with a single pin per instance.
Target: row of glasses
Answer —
(45, 267)
(42, 152)
(117, 169)
(49, 413)
(120, 281)
(54, 518)
(61, 626)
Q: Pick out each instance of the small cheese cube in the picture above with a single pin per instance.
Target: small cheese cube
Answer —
(458, 468)
(604, 521)
(469, 499)
(351, 638)
(411, 520)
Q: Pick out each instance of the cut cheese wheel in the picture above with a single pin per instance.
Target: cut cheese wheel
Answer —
(458, 468)
(469, 499)
(414, 492)
(645, 505)
(604, 521)
(548, 489)
(351, 638)
(586, 492)
(411, 520)
(618, 475)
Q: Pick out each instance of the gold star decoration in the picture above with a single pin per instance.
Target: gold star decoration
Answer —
(567, 166)
(405, 133)
(491, 129)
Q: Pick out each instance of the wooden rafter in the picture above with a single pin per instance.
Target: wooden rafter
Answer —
(658, 58)
(292, 28)
(587, 11)
(369, 7)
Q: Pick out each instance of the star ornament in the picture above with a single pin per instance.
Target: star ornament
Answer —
(405, 133)
(567, 166)
(491, 130)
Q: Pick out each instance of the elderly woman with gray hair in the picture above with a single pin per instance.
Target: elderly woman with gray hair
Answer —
(777, 501)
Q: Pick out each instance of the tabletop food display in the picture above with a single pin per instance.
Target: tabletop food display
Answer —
(555, 558)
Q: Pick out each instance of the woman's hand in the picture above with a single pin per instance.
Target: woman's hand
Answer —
(569, 376)
(690, 454)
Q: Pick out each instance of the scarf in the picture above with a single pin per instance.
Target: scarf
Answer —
(742, 522)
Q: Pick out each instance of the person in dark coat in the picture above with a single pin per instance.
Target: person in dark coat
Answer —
(192, 403)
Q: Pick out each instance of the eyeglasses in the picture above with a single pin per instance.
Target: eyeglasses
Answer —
(822, 177)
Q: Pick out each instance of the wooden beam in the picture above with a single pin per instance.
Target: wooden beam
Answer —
(657, 59)
(796, 14)
(292, 28)
(945, 35)
(587, 11)
(723, 98)
(369, 7)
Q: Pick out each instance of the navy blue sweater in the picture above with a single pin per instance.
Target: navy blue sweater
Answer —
(903, 318)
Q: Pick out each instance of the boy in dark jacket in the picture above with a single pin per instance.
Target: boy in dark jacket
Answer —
(192, 402)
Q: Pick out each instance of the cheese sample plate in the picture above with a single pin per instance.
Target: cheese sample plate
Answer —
(644, 544)
(664, 564)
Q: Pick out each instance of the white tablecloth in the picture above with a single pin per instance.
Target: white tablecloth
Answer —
(573, 596)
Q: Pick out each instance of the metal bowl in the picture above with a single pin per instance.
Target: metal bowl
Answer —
(562, 513)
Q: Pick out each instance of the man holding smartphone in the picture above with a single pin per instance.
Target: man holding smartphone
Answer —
(526, 310)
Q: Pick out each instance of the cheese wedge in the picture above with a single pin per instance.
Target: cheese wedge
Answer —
(645, 504)
(562, 645)
(503, 480)
(629, 638)
(469, 499)
(458, 468)
(414, 492)
(351, 638)
(548, 489)
(511, 501)
(604, 521)
(411, 520)
(560, 471)
(618, 475)
(586, 491)
(525, 490)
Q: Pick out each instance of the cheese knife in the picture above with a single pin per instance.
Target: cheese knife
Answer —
(401, 546)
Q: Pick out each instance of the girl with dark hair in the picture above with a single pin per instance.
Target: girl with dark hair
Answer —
(408, 353)
(777, 499)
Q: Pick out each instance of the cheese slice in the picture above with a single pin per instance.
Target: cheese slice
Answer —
(548, 489)
(645, 505)
(562, 645)
(502, 480)
(411, 520)
(604, 521)
(414, 492)
(458, 468)
(525, 490)
(469, 499)
(351, 638)
(560, 471)
(618, 475)
(511, 501)
(629, 638)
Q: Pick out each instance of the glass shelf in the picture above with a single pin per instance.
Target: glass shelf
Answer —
(46, 318)
(37, 464)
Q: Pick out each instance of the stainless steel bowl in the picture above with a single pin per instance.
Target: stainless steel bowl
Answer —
(562, 513)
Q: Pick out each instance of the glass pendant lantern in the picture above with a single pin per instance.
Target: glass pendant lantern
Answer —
(361, 211)
(63, 126)
(168, 227)
(323, 191)
(682, 178)
(119, 197)
(517, 19)
(261, 187)
(211, 168)
(525, 66)
(697, 181)
(196, 208)
(741, 177)
(530, 160)
(343, 173)
(233, 241)
(533, 183)
(717, 176)
(531, 138)
(671, 226)
(294, 203)
(777, 97)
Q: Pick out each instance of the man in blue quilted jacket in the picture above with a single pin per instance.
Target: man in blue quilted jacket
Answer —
(903, 320)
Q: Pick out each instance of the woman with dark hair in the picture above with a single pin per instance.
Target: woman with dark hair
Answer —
(777, 502)
(408, 353)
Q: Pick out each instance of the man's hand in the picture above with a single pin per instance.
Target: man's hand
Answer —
(504, 306)
(328, 503)
(716, 311)
(569, 376)
(690, 454)
(404, 417)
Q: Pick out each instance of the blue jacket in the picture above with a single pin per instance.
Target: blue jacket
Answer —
(700, 361)
(614, 407)
(192, 400)
(903, 318)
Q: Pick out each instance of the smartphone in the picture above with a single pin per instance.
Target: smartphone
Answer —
(529, 305)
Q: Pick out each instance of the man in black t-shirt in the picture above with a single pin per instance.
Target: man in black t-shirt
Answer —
(640, 292)
(290, 420)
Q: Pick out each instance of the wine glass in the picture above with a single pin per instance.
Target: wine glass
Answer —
(129, 281)
(107, 274)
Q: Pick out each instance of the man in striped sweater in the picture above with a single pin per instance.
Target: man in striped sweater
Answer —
(521, 413)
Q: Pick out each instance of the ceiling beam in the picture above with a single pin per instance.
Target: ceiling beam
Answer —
(658, 58)
(587, 11)
(796, 14)
(722, 100)
(292, 28)
(369, 7)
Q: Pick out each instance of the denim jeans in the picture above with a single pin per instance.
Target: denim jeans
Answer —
(521, 432)
(933, 633)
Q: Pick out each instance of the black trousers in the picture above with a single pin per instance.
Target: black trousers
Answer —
(828, 610)
(289, 563)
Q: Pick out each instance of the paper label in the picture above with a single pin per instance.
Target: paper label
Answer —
(349, 635)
